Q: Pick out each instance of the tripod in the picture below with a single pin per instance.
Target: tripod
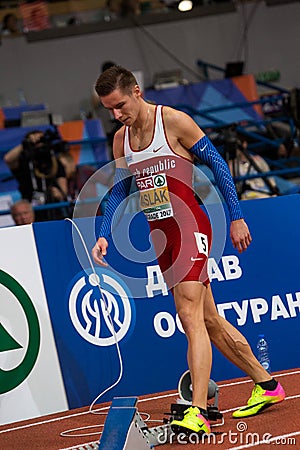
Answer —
(242, 163)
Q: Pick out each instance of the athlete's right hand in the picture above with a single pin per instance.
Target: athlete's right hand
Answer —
(99, 251)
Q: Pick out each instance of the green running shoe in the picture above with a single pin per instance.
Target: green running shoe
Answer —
(193, 421)
(260, 400)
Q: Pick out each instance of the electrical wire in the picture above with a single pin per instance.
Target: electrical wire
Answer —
(152, 38)
(109, 316)
(244, 42)
(70, 433)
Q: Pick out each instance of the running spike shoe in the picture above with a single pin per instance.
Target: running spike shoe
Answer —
(193, 421)
(260, 399)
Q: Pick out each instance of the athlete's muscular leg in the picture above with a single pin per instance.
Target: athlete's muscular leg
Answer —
(189, 300)
(230, 342)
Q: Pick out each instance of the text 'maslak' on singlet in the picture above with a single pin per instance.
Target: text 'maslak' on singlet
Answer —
(164, 179)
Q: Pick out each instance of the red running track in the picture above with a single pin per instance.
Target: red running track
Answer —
(280, 424)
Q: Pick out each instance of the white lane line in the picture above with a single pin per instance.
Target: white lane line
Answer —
(233, 409)
(51, 420)
(77, 447)
(235, 383)
(140, 400)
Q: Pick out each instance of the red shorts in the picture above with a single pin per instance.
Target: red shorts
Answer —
(182, 244)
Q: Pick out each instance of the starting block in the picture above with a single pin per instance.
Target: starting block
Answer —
(124, 428)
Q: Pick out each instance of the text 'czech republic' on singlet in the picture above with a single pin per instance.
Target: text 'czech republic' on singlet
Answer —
(164, 179)
(180, 229)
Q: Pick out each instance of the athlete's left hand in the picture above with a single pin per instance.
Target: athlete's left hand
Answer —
(240, 235)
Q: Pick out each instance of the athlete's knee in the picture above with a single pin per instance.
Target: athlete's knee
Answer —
(190, 314)
(186, 318)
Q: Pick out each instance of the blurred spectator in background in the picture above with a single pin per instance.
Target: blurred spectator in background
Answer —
(22, 212)
(35, 15)
(281, 141)
(73, 20)
(69, 165)
(10, 25)
(38, 171)
(245, 163)
(112, 10)
(130, 8)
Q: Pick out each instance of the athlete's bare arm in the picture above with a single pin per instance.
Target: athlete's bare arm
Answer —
(100, 248)
(183, 132)
(118, 149)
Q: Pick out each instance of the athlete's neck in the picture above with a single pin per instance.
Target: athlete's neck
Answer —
(141, 126)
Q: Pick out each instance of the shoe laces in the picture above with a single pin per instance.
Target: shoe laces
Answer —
(191, 411)
(256, 394)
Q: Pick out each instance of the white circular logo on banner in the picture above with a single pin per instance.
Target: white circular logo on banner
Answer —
(101, 318)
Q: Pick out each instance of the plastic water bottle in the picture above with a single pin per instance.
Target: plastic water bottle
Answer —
(263, 352)
(22, 98)
(82, 114)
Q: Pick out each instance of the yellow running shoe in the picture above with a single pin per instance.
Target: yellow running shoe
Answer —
(193, 421)
(260, 400)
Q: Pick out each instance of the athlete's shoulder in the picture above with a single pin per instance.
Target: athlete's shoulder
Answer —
(175, 117)
(181, 126)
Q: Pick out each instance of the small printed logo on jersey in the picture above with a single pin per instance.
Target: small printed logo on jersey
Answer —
(145, 183)
(101, 307)
(157, 149)
(160, 180)
(128, 158)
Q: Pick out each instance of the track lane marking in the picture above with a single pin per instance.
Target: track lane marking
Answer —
(291, 397)
(104, 408)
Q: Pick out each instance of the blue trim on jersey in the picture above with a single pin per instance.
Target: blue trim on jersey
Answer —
(209, 155)
(116, 205)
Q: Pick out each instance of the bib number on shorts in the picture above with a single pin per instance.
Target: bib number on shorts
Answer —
(202, 242)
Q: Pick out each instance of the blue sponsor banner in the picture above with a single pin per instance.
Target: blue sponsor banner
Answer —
(257, 291)
(265, 298)
(87, 351)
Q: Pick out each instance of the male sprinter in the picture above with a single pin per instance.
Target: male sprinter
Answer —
(158, 146)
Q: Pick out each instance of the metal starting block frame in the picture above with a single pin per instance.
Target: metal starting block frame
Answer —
(124, 428)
